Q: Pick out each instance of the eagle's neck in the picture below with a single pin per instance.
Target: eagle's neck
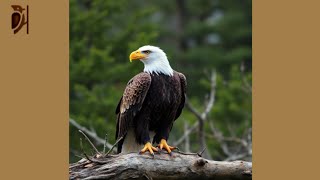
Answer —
(158, 66)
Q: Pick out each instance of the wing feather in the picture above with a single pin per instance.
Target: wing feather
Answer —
(131, 102)
(183, 82)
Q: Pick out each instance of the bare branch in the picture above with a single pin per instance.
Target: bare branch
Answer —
(229, 148)
(193, 110)
(218, 135)
(83, 152)
(201, 152)
(186, 153)
(92, 145)
(211, 96)
(186, 133)
(114, 145)
(93, 135)
(177, 166)
(202, 117)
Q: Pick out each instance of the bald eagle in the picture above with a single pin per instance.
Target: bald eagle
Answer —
(151, 102)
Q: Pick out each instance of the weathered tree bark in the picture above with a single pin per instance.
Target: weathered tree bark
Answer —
(162, 166)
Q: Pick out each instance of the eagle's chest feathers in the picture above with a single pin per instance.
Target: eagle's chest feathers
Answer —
(164, 91)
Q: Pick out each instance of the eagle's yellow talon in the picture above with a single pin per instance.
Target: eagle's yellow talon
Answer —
(148, 147)
(163, 144)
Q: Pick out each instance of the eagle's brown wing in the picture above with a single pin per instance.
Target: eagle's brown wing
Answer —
(183, 82)
(131, 102)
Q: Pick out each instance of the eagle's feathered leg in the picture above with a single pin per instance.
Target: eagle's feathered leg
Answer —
(148, 147)
(163, 144)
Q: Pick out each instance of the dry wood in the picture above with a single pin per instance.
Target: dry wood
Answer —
(91, 134)
(162, 166)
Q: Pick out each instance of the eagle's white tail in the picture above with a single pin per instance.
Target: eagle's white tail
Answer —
(130, 145)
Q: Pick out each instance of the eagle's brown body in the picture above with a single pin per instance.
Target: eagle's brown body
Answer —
(150, 102)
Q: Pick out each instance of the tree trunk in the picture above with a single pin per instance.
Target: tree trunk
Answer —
(162, 166)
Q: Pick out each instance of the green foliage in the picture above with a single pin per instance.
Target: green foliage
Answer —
(208, 35)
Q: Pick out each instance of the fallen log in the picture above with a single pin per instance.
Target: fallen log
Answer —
(161, 166)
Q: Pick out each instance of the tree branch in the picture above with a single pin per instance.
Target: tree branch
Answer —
(202, 117)
(193, 109)
(211, 95)
(92, 145)
(229, 145)
(93, 135)
(113, 146)
(222, 140)
(186, 133)
(162, 166)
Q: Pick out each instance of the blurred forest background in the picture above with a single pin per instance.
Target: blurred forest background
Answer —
(208, 40)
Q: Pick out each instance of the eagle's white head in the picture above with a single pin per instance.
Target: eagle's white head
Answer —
(154, 59)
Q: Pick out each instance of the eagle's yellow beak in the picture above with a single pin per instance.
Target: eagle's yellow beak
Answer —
(135, 55)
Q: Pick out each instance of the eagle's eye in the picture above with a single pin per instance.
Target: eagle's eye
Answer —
(146, 52)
